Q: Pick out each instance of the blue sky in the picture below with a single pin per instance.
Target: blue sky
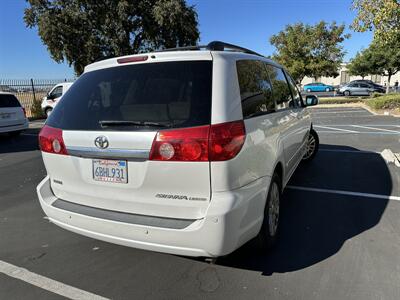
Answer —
(248, 23)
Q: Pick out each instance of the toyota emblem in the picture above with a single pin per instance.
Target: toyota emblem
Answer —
(101, 142)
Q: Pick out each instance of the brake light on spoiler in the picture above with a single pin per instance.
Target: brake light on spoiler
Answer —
(218, 142)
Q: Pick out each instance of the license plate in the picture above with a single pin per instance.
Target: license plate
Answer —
(5, 116)
(110, 170)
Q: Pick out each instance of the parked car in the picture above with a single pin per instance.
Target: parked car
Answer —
(12, 115)
(359, 89)
(183, 152)
(54, 96)
(317, 87)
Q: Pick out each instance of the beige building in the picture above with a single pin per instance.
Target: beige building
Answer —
(344, 77)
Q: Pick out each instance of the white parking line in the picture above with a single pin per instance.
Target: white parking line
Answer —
(333, 128)
(372, 125)
(45, 283)
(379, 129)
(377, 133)
(347, 193)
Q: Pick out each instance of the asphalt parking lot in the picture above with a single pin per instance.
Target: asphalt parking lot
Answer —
(339, 235)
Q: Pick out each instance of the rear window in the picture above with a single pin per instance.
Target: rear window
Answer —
(170, 94)
(8, 101)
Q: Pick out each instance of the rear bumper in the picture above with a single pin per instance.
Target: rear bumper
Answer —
(232, 219)
(12, 128)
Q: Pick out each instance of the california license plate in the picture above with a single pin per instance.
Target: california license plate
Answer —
(110, 170)
(5, 116)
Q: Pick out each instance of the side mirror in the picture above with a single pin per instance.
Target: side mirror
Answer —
(311, 100)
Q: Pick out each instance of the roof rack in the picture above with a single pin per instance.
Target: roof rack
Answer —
(214, 46)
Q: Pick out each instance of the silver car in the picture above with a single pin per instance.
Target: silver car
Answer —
(356, 89)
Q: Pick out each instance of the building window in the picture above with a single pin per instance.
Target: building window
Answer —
(344, 77)
(376, 78)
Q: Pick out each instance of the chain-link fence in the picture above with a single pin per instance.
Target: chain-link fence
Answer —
(29, 90)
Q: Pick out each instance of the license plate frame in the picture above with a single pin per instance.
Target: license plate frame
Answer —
(109, 169)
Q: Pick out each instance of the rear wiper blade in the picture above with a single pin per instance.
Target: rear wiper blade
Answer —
(110, 123)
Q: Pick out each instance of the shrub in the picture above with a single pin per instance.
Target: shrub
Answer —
(36, 110)
(339, 100)
(390, 101)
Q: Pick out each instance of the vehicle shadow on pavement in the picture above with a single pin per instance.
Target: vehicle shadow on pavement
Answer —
(314, 225)
(28, 141)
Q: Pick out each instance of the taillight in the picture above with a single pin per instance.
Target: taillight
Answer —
(51, 140)
(226, 140)
(217, 142)
(187, 144)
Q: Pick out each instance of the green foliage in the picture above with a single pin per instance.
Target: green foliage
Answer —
(339, 100)
(359, 66)
(312, 51)
(389, 101)
(382, 59)
(36, 109)
(381, 16)
(83, 31)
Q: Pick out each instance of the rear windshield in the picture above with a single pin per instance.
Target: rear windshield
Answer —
(8, 101)
(138, 97)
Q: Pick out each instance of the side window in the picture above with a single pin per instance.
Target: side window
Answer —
(280, 87)
(57, 92)
(295, 92)
(363, 85)
(255, 88)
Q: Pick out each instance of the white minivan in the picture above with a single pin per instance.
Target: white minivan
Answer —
(13, 118)
(183, 151)
(54, 96)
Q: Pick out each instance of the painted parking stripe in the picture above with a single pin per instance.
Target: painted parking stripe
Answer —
(379, 129)
(340, 192)
(45, 283)
(372, 125)
(373, 133)
(333, 128)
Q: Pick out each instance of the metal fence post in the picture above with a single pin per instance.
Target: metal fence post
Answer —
(33, 91)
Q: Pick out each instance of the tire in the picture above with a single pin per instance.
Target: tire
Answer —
(48, 111)
(308, 90)
(347, 93)
(312, 145)
(269, 232)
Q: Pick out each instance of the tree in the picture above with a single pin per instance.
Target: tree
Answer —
(83, 31)
(312, 51)
(383, 60)
(381, 16)
(359, 66)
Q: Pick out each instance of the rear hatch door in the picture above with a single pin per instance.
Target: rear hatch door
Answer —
(109, 119)
(11, 112)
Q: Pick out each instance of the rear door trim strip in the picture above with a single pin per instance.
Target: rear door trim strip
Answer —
(125, 154)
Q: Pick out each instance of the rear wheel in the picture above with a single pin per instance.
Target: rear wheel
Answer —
(312, 145)
(268, 234)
